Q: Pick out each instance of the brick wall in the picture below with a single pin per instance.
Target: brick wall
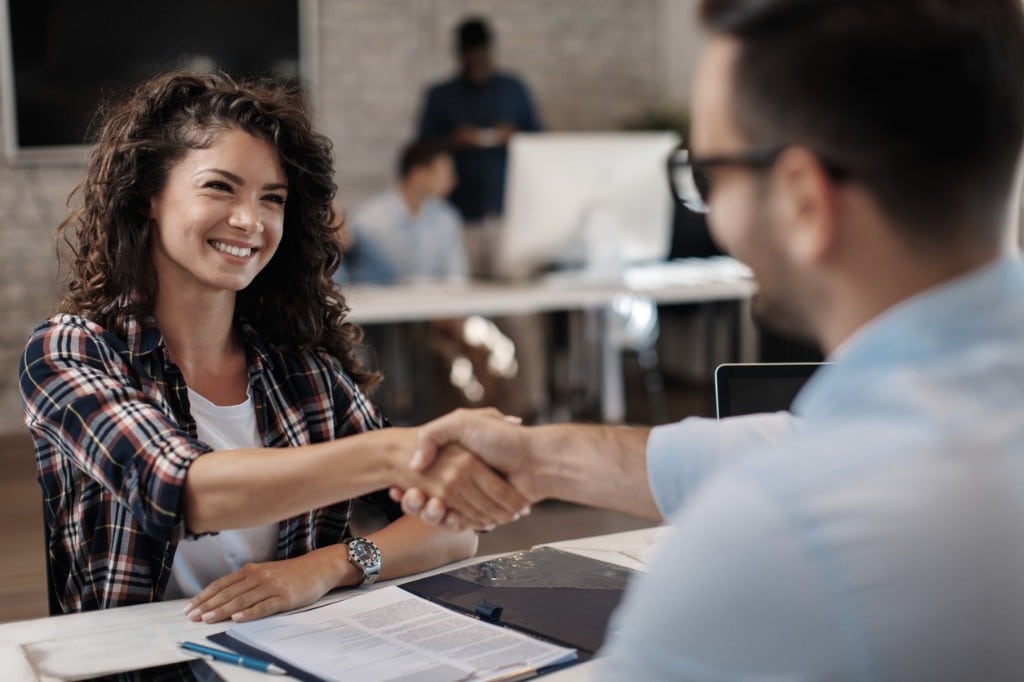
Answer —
(31, 206)
(590, 63)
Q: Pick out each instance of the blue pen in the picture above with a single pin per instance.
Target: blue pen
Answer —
(232, 657)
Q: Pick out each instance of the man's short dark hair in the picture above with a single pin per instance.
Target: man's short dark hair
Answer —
(419, 153)
(473, 33)
(921, 101)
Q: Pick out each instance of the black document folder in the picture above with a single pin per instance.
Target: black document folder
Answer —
(558, 596)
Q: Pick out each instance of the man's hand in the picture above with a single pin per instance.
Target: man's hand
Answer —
(466, 137)
(259, 590)
(505, 131)
(497, 440)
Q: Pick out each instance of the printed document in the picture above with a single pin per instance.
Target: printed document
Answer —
(390, 634)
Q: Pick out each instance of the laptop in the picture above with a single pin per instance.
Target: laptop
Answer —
(750, 388)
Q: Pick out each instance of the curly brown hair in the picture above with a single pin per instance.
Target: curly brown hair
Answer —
(292, 303)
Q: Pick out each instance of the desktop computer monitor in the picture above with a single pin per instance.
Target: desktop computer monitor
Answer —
(597, 201)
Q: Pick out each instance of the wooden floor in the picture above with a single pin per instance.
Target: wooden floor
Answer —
(22, 563)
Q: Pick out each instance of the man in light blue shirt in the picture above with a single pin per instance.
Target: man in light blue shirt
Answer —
(860, 156)
(410, 233)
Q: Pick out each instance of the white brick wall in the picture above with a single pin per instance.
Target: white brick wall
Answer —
(590, 64)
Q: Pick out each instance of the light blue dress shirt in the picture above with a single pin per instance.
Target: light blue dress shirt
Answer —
(392, 245)
(881, 537)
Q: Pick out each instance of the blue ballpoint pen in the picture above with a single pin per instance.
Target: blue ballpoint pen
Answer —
(232, 657)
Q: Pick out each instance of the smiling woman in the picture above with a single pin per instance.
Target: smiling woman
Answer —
(198, 412)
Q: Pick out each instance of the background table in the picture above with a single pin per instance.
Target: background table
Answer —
(691, 280)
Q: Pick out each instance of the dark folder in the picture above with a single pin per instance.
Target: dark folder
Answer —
(558, 596)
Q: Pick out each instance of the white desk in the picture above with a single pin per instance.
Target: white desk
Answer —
(692, 280)
(88, 644)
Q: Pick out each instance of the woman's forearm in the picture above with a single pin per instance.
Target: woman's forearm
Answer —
(408, 546)
(254, 486)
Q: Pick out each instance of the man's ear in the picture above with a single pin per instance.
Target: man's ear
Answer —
(807, 204)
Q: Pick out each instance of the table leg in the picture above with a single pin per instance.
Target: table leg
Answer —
(613, 392)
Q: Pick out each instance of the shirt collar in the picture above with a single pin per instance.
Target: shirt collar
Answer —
(933, 321)
(144, 338)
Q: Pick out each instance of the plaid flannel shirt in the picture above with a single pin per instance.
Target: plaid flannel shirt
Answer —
(114, 438)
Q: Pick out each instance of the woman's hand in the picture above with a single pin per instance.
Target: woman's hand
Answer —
(259, 590)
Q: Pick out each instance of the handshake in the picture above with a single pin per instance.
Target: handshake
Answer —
(473, 471)
(479, 468)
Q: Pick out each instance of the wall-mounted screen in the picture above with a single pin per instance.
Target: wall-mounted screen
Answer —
(61, 58)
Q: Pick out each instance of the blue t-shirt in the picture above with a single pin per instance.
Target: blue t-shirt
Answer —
(502, 100)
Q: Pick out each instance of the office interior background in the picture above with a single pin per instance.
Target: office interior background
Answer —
(591, 65)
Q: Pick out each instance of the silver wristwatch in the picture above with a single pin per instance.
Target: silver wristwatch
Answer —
(366, 557)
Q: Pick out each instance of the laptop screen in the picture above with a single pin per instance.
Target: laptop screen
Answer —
(750, 388)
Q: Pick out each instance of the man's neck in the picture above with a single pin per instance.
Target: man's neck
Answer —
(883, 285)
(476, 82)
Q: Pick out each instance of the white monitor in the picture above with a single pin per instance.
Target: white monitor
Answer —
(597, 201)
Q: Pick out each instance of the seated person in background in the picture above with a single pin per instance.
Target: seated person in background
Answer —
(410, 232)
(197, 407)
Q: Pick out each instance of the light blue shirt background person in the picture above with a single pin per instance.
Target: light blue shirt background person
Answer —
(880, 535)
(409, 233)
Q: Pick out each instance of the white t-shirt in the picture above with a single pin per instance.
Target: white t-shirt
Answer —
(200, 561)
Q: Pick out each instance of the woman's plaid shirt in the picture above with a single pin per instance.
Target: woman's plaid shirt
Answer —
(114, 438)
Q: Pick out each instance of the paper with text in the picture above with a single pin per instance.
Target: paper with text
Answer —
(389, 634)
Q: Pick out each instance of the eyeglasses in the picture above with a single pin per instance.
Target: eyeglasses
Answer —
(691, 183)
(689, 178)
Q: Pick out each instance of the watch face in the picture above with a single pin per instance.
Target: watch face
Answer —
(363, 552)
(366, 556)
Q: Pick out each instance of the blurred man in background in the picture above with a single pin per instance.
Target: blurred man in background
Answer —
(477, 112)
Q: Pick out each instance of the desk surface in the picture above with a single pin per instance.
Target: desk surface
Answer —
(692, 280)
(86, 644)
